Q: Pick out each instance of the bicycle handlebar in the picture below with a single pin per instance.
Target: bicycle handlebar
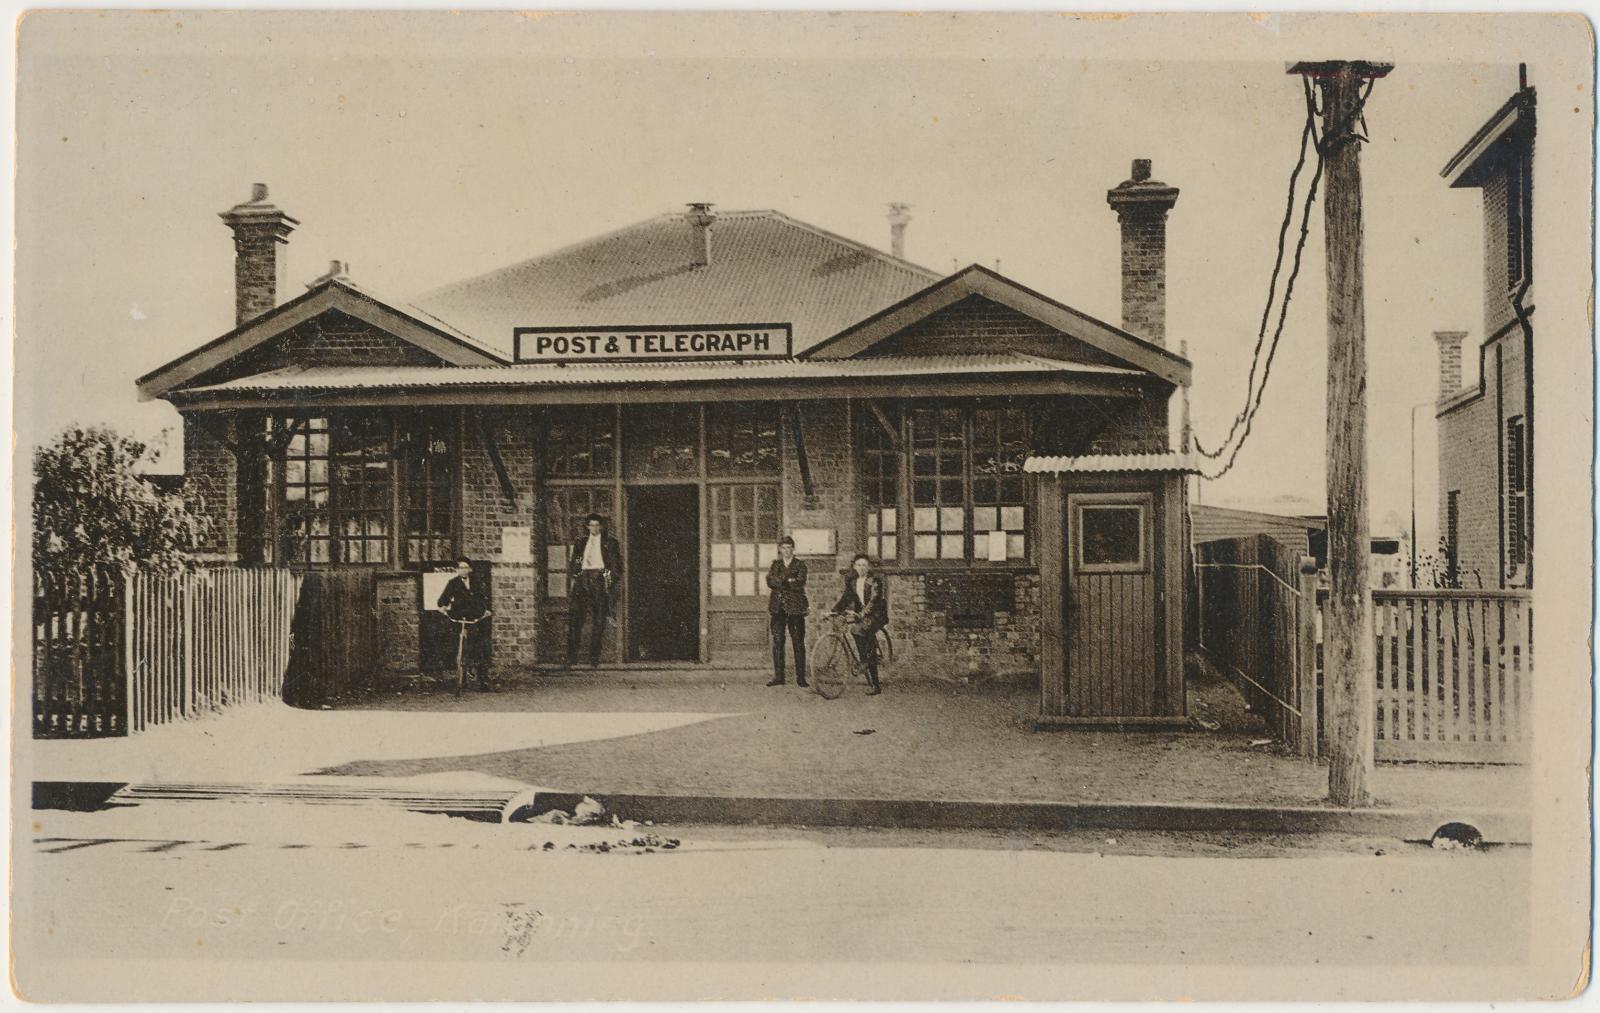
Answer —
(469, 622)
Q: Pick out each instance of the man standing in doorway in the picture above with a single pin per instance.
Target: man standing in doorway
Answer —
(788, 606)
(595, 568)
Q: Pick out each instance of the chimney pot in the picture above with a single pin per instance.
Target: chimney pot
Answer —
(1141, 204)
(899, 218)
(259, 229)
(700, 217)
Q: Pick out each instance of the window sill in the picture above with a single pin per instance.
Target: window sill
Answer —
(915, 570)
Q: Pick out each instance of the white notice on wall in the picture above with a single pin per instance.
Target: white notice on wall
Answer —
(433, 582)
(516, 545)
(997, 546)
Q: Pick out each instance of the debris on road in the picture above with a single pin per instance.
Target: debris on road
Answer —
(864, 731)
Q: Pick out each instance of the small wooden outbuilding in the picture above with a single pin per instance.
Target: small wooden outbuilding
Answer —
(1112, 556)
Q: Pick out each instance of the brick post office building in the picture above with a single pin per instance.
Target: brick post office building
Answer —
(709, 382)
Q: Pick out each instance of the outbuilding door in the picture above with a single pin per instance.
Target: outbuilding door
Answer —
(1113, 641)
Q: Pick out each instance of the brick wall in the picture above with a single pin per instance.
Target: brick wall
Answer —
(486, 513)
(1470, 450)
(398, 633)
(829, 439)
(329, 339)
(211, 481)
(976, 325)
(1497, 310)
(1139, 428)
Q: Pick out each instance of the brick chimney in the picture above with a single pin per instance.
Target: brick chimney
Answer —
(700, 216)
(1449, 362)
(258, 229)
(899, 218)
(1141, 204)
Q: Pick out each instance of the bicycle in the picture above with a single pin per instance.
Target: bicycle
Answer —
(461, 648)
(837, 662)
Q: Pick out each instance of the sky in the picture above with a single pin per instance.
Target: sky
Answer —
(423, 151)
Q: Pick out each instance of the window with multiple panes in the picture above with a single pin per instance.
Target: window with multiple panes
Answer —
(303, 500)
(581, 442)
(427, 441)
(567, 508)
(968, 499)
(363, 464)
(938, 486)
(742, 440)
(880, 486)
(1516, 494)
(744, 525)
(999, 493)
(331, 486)
(661, 441)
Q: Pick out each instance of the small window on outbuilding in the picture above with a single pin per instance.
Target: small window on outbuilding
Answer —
(1111, 538)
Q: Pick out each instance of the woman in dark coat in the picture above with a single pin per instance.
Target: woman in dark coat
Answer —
(866, 601)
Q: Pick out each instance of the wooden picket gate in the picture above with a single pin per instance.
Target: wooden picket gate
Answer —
(1454, 672)
(79, 633)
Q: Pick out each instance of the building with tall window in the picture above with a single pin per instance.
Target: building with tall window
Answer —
(708, 382)
(1486, 429)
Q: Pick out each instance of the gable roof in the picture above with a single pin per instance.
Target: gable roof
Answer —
(1466, 167)
(408, 323)
(979, 280)
(764, 265)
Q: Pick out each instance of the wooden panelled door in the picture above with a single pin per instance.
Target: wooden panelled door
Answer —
(1113, 643)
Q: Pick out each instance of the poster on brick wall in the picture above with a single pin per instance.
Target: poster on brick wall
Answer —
(516, 545)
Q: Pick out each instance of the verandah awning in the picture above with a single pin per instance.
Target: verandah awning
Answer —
(1002, 373)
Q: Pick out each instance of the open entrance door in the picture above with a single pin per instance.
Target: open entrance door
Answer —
(663, 572)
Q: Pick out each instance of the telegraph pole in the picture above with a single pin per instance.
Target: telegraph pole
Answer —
(1348, 662)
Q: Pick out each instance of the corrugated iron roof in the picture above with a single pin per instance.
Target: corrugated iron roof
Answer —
(1171, 461)
(765, 266)
(326, 378)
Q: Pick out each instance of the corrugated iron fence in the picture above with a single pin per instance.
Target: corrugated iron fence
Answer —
(1256, 601)
(114, 654)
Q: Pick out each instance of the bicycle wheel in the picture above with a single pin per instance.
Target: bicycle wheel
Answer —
(830, 668)
(461, 661)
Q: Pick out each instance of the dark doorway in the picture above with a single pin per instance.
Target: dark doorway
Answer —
(663, 573)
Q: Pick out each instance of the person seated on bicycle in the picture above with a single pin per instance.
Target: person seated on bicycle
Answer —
(464, 600)
(867, 604)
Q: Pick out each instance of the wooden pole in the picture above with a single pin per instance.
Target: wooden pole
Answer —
(1349, 676)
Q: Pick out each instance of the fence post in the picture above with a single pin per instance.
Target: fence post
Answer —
(185, 586)
(1306, 659)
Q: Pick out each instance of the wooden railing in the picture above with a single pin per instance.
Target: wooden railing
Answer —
(1455, 675)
